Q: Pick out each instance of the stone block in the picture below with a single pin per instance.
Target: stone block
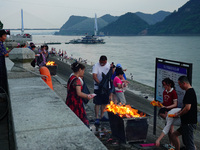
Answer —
(22, 58)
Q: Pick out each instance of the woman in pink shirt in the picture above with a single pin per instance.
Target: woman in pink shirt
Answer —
(119, 85)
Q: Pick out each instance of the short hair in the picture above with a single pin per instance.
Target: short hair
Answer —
(76, 66)
(103, 58)
(183, 79)
(163, 110)
(2, 32)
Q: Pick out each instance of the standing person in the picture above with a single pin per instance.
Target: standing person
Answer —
(164, 112)
(169, 100)
(119, 85)
(188, 115)
(3, 53)
(101, 100)
(75, 94)
(42, 59)
(46, 51)
(169, 94)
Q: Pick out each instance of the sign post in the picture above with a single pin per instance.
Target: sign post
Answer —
(169, 69)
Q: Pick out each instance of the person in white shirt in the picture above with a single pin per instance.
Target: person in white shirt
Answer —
(164, 112)
(101, 100)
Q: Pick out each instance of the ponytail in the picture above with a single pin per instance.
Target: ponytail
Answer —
(170, 82)
(76, 66)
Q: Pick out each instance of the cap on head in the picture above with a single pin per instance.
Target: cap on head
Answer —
(119, 65)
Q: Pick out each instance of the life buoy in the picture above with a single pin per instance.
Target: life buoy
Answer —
(47, 77)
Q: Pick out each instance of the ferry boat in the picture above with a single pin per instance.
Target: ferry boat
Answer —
(90, 39)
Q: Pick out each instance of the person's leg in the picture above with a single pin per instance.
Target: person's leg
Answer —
(171, 130)
(175, 139)
(123, 99)
(97, 107)
(188, 136)
(102, 110)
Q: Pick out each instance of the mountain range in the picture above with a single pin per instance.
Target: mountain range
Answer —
(78, 25)
(185, 21)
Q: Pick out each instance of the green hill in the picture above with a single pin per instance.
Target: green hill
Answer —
(77, 25)
(1, 25)
(153, 18)
(186, 21)
(127, 24)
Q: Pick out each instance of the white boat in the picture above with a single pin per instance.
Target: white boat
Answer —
(90, 39)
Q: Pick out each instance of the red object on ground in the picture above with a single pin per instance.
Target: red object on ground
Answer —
(45, 71)
(148, 145)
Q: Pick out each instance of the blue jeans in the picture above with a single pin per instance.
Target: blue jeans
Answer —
(187, 135)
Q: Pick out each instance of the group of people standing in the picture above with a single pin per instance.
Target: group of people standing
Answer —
(104, 88)
(185, 117)
(110, 83)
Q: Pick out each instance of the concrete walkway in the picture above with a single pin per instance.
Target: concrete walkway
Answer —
(41, 120)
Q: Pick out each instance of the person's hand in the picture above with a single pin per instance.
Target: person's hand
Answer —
(176, 115)
(90, 96)
(157, 143)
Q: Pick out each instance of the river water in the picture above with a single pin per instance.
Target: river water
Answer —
(136, 53)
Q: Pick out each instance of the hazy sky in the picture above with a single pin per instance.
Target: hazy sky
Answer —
(54, 13)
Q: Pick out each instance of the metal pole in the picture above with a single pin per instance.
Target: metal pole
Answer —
(22, 22)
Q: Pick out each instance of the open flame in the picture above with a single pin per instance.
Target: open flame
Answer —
(123, 110)
(50, 63)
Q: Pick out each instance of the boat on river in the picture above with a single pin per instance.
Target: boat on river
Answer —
(90, 39)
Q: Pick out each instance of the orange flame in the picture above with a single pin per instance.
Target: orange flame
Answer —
(156, 103)
(50, 63)
(123, 110)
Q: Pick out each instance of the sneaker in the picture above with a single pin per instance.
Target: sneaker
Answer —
(104, 119)
(97, 122)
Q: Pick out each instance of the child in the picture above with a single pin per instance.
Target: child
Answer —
(119, 85)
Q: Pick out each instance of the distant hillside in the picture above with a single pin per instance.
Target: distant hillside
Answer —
(77, 25)
(186, 21)
(153, 18)
(1, 25)
(108, 18)
(128, 24)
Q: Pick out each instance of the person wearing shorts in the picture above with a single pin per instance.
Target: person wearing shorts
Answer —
(100, 100)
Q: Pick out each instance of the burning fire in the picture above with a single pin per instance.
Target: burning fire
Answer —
(123, 110)
(50, 63)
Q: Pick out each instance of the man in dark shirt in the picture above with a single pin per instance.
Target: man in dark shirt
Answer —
(188, 115)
